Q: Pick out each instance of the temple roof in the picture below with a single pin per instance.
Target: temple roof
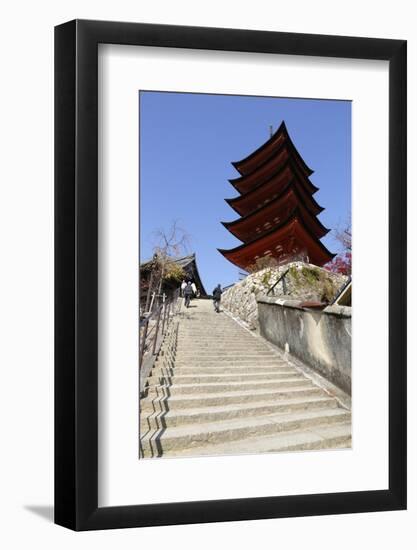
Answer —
(280, 240)
(189, 265)
(286, 201)
(243, 204)
(276, 204)
(273, 166)
(269, 149)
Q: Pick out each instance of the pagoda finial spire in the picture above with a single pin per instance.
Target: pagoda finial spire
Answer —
(271, 130)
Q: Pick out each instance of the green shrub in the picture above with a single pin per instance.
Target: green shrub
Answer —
(328, 291)
(266, 278)
(173, 272)
(311, 275)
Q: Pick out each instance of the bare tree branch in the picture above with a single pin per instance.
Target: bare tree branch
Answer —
(343, 235)
(171, 242)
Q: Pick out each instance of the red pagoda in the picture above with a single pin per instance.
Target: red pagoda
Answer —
(278, 213)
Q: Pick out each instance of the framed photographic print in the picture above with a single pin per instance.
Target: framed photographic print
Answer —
(219, 192)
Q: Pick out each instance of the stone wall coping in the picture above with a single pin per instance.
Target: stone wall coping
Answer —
(339, 311)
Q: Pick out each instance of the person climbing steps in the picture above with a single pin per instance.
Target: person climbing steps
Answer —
(217, 294)
(188, 293)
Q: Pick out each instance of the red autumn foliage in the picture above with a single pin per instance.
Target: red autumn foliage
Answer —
(342, 263)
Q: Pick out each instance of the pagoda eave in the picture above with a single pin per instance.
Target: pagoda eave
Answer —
(247, 183)
(239, 227)
(280, 206)
(280, 241)
(274, 140)
(243, 204)
(267, 150)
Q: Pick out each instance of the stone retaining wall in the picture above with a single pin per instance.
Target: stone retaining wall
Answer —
(302, 281)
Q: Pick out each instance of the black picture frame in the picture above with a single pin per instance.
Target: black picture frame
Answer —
(76, 272)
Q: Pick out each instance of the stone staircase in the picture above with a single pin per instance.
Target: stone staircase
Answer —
(220, 390)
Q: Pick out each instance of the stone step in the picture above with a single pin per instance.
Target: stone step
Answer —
(219, 387)
(226, 352)
(223, 339)
(200, 320)
(162, 369)
(216, 328)
(226, 346)
(220, 344)
(229, 362)
(213, 332)
(221, 352)
(337, 436)
(216, 340)
(198, 378)
(204, 356)
(172, 371)
(215, 352)
(184, 401)
(196, 365)
(189, 436)
(159, 420)
(200, 327)
(221, 348)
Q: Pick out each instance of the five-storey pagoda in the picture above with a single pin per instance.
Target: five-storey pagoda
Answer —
(278, 213)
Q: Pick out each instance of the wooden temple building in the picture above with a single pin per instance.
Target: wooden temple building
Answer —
(150, 278)
(276, 207)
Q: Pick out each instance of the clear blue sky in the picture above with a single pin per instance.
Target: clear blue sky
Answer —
(187, 144)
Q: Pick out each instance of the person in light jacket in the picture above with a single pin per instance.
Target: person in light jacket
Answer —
(188, 293)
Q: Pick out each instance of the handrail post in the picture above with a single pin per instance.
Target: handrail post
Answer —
(169, 311)
(152, 301)
(157, 330)
(142, 351)
(148, 294)
(165, 314)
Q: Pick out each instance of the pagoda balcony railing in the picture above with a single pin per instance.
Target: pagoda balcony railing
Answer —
(153, 327)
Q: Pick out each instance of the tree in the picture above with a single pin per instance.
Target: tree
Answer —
(344, 237)
(172, 242)
(342, 263)
(163, 269)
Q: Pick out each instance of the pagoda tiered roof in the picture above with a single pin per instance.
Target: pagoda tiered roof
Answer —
(269, 149)
(268, 189)
(272, 213)
(282, 240)
(276, 204)
(273, 166)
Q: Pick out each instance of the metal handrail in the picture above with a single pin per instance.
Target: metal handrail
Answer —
(153, 328)
(277, 281)
(342, 289)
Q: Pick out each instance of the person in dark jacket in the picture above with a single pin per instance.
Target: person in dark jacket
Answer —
(217, 294)
(188, 292)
